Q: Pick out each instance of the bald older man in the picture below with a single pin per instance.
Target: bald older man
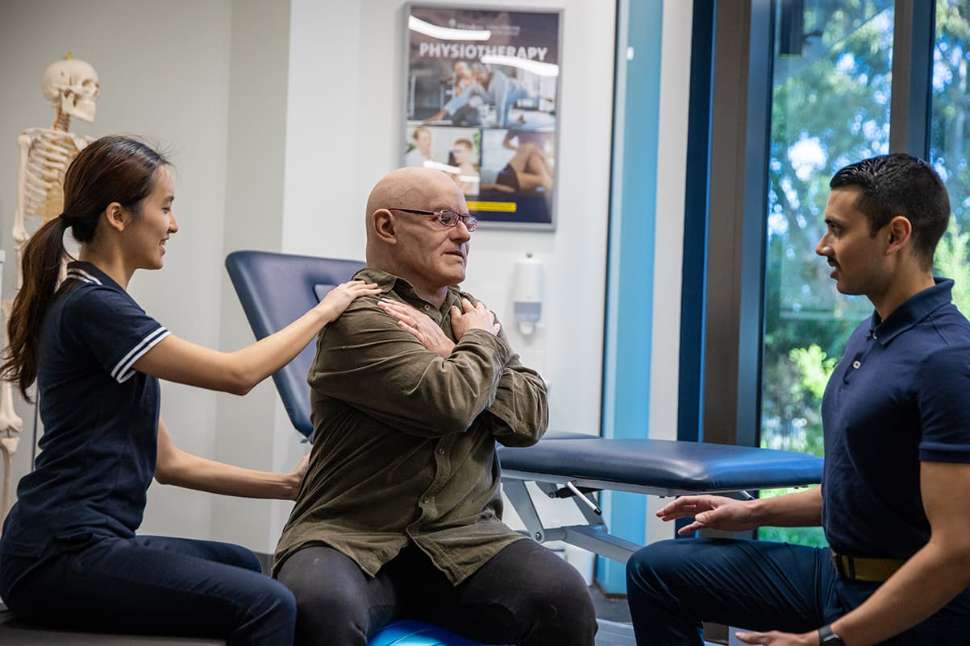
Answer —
(400, 511)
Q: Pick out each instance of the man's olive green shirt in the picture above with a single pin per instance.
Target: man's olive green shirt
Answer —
(404, 447)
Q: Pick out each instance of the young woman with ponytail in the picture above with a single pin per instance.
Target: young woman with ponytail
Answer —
(69, 555)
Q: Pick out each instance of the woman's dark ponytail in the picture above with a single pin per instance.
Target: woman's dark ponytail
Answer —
(111, 169)
(41, 268)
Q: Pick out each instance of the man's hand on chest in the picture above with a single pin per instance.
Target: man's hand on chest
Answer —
(426, 330)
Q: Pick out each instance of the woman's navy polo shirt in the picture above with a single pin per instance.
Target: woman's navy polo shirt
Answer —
(100, 418)
(899, 396)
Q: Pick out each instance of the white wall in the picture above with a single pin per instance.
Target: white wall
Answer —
(259, 60)
(164, 70)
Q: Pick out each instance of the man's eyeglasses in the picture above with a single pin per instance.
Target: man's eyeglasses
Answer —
(446, 217)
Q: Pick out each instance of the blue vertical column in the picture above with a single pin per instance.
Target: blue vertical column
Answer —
(693, 308)
(630, 270)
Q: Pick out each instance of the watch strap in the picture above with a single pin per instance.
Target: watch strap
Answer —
(827, 637)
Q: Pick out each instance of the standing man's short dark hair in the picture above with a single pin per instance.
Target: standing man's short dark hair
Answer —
(900, 184)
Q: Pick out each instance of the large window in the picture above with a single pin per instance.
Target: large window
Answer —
(830, 105)
(846, 80)
(950, 139)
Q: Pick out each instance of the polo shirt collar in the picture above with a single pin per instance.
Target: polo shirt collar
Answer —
(911, 312)
(90, 272)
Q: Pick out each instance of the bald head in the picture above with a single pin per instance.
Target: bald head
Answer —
(407, 244)
(408, 188)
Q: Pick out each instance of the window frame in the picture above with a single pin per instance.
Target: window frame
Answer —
(722, 302)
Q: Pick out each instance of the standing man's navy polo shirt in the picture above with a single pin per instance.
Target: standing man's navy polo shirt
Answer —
(899, 396)
(100, 418)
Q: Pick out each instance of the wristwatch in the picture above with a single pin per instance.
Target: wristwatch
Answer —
(828, 638)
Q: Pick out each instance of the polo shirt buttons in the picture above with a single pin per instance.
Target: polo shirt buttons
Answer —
(427, 501)
(856, 364)
(441, 451)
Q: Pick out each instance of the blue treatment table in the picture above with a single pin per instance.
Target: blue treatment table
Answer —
(570, 466)
(275, 289)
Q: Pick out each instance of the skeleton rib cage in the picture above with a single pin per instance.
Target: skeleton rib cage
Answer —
(49, 152)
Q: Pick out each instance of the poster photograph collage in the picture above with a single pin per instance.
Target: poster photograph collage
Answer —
(481, 105)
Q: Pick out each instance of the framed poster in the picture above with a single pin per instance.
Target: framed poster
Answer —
(482, 104)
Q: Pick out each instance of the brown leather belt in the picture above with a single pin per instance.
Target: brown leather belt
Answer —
(865, 569)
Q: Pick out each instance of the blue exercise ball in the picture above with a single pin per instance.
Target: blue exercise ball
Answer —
(415, 633)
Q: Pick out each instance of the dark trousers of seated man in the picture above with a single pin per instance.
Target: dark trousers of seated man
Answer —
(525, 594)
(674, 585)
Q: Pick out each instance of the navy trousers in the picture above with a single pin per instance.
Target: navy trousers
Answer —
(151, 585)
(674, 585)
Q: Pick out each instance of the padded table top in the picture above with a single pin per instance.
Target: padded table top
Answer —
(662, 466)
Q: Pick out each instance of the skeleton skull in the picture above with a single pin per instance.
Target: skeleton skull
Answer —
(73, 87)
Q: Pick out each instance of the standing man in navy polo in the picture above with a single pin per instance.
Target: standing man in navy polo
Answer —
(895, 494)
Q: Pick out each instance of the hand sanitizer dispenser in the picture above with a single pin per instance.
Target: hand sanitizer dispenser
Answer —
(527, 293)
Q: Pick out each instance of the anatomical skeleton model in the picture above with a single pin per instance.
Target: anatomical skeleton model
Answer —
(72, 87)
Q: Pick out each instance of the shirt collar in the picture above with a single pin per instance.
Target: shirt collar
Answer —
(384, 280)
(388, 282)
(89, 273)
(911, 312)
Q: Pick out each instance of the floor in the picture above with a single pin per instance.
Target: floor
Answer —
(613, 614)
(610, 607)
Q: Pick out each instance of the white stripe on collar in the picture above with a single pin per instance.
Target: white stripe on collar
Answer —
(80, 274)
(80, 278)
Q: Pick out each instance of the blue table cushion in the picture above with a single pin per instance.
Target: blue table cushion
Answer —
(322, 290)
(664, 464)
(276, 289)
